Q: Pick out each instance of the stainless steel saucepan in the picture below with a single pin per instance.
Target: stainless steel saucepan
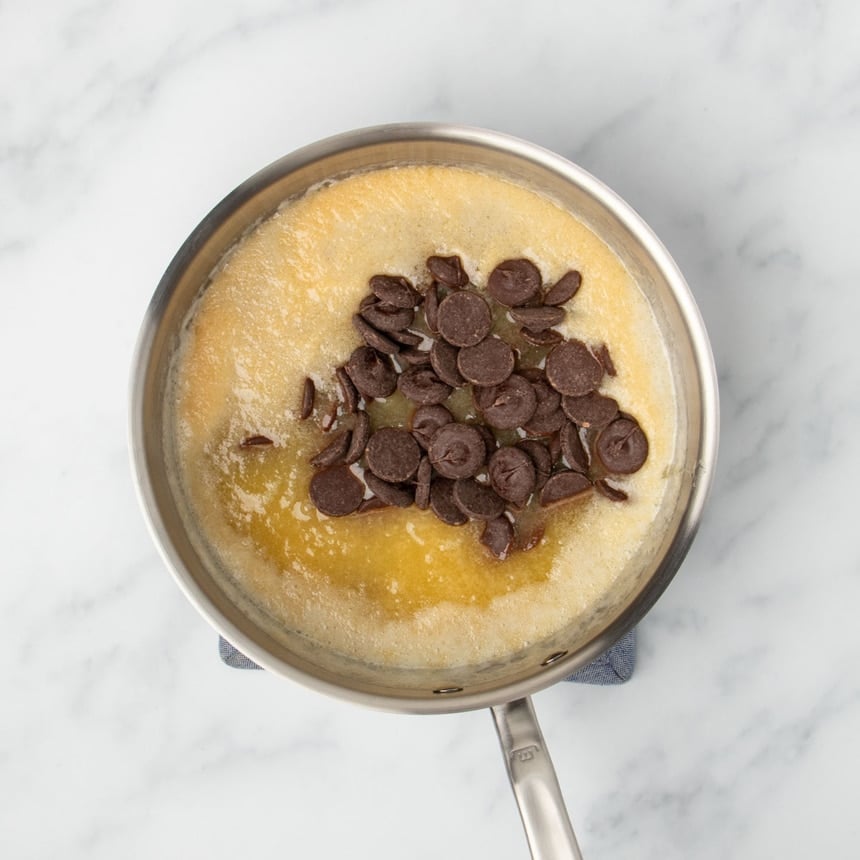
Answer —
(503, 686)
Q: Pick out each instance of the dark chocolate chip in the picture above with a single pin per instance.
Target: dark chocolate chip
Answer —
(537, 319)
(392, 454)
(371, 372)
(308, 395)
(497, 537)
(564, 290)
(360, 435)
(367, 301)
(335, 451)
(605, 359)
(483, 396)
(348, 392)
(545, 425)
(590, 410)
(615, 494)
(514, 282)
(512, 474)
(256, 442)
(431, 308)
(443, 357)
(374, 503)
(550, 337)
(622, 446)
(548, 399)
(476, 500)
(491, 362)
(414, 357)
(571, 448)
(464, 318)
(374, 338)
(563, 486)
(457, 451)
(426, 420)
(513, 404)
(572, 369)
(336, 492)
(330, 418)
(554, 445)
(448, 271)
(422, 486)
(421, 385)
(394, 290)
(397, 495)
(490, 441)
(385, 317)
(442, 502)
(405, 337)
(541, 459)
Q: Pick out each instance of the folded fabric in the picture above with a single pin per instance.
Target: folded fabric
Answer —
(614, 666)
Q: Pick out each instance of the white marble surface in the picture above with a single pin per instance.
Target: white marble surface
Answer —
(733, 129)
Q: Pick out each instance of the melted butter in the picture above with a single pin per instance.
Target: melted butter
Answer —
(402, 560)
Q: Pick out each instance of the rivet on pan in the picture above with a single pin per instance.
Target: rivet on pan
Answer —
(553, 658)
(442, 690)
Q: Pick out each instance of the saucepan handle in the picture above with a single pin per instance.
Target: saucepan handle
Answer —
(534, 782)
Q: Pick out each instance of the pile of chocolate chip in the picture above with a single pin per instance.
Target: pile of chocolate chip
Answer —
(544, 433)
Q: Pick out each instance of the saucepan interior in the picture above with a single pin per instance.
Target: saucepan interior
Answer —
(195, 565)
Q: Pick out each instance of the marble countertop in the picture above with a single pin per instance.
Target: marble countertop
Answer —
(734, 129)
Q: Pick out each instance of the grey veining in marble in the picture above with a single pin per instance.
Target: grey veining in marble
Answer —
(734, 129)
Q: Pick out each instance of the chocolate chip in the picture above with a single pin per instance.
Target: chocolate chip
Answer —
(421, 385)
(308, 395)
(512, 474)
(374, 338)
(622, 446)
(397, 495)
(426, 420)
(374, 503)
(367, 301)
(590, 410)
(330, 418)
(554, 446)
(464, 318)
(514, 282)
(476, 500)
(513, 403)
(394, 290)
(605, 359)
(537, 319)
(564, 289)
(615, 494)
(443, 357)
(422, 486)
(448, 271)
(490, 441)
(544, 425)
(550, 337)
(335, 451)
(392, 454)
(405, 337)
(431, 308)
(457, 451)
(548, 399)
(442, 502)
(414, 357)
(256, 442)
(563, 486)
(541, 459)
(348, 392)
(497, 537)
(336, 492)
(571, 448)
(572, 369)
(371, 372)
(483, 396)
(491, 362)
(385, 317)
(360, 435)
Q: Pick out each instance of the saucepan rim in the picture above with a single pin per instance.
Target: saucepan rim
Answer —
(618, 209)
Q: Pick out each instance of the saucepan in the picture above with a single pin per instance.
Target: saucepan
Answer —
(504, 685)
